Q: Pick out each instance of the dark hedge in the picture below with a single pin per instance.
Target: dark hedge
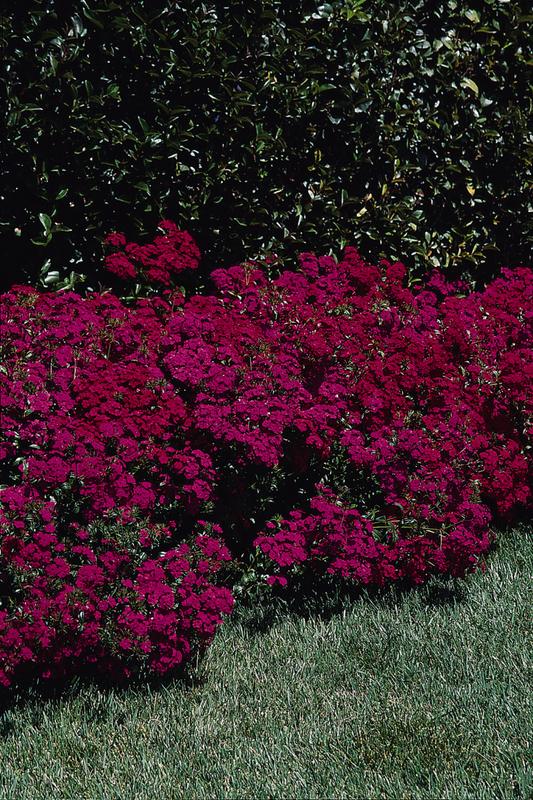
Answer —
(401, 127)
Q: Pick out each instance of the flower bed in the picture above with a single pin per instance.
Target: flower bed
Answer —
(330, 419)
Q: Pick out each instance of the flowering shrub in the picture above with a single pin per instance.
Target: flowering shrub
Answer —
(143, 443)
(339, 541)
(103, 594)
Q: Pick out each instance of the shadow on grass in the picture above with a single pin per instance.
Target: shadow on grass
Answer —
(323, 600)
(40, 693)
(308, 599)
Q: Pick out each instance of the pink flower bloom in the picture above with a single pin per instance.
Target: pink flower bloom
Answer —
(145, 441)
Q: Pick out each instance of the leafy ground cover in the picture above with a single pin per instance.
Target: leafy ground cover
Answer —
(420, 695)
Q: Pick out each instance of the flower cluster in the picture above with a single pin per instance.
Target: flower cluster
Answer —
(333, 539)
(170, 254)
(126, 425)
(103, 595)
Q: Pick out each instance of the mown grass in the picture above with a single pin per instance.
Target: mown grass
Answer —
(424, 695)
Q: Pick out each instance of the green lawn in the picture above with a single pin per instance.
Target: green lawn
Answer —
(419, 696)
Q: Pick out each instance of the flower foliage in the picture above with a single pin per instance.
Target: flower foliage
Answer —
(332, 419)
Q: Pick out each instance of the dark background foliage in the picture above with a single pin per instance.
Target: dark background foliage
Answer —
(401, 127)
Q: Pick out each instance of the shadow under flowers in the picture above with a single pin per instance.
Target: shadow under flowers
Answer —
(322, 599)
(309, 599)
(255, 614)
